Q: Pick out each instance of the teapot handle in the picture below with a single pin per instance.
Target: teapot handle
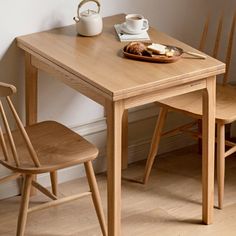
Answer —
(85, 1)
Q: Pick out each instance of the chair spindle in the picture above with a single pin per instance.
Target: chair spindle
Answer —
(218, 36)
(29, 145)
(204, 34)
(4, 146)
(230, 49)
(9, 135)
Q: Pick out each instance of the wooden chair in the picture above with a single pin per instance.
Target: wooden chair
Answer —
(191, 104)
(44, 147)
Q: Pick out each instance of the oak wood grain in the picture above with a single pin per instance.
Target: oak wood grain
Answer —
(98, 60)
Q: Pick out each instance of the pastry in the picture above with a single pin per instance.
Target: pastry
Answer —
(136, 48)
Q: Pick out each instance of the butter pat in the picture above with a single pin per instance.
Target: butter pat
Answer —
(157, 48)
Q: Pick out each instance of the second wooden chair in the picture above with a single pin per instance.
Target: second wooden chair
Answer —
(191, 104)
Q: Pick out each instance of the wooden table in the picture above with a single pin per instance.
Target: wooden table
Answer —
(94, 66)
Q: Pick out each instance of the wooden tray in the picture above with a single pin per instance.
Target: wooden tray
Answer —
(157, 58)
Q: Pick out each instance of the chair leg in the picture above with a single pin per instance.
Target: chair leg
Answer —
(53, 177)
(125, 140)
(24, 205)
(155, 143)
(96, 196)
(22, 187)
(199, 128)
(33, 191)
(220, 162)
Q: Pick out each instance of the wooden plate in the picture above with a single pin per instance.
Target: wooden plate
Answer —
(157, 58)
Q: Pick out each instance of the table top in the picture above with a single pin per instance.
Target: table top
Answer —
(99, 61)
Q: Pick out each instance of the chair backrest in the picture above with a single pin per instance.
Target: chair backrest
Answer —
(229, 43)
(6, 90)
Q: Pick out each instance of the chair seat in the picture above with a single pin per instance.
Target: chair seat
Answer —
(56, 146)
(191, 103)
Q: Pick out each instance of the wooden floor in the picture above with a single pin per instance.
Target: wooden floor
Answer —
(170, 205)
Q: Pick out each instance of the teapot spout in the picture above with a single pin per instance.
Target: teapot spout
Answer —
(76, 19)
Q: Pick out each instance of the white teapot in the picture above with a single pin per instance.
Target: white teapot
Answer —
(88, 23)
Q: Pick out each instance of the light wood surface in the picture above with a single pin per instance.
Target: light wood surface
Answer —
(192, 104)
(208, 146)
(53, 177)
(31, 85)
(125, 144)
(114, 113)
(31, 101)
(64, 148)
(116, 83)
(3, 145)
(117, 77)
(59, 202)
(10, 138)
(95, 195)
(6, 89)
(203, 40)
(220, 162)
(218, 36)
(24, 205)
(24, 135)
(44, 190)
(40, 148)
(230, 48)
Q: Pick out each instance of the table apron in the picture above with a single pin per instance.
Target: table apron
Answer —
(70, 79)
(164, 93)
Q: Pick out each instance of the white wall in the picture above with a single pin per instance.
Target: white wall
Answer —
(182, 19)
(56, 101)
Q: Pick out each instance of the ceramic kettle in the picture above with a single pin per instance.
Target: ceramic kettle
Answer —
(89, 22)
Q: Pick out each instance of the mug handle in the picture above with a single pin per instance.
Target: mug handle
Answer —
(145, 23)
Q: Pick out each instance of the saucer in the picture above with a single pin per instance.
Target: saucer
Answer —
(125, 29)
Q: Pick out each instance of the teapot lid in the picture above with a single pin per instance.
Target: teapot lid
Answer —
(88, 13)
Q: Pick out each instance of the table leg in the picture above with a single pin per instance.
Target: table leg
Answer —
(31, 79)
(31, 95)
(115, 112)
(208, 140)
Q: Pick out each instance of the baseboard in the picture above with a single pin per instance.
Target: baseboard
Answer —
(138, 148)
(137, 151)
(99, 125)
(8, 189)
(141, 120)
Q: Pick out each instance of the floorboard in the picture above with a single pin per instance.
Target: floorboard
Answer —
(169, 205)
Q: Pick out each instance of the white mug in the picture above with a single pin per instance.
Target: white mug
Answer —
(136, 22)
